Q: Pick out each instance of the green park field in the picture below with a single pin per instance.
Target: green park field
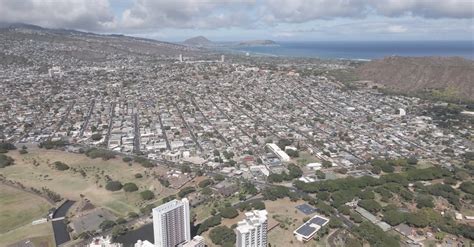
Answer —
(18, 210)
(86, 177)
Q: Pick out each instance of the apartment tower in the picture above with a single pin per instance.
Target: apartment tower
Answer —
(171, 223)
(252, 232)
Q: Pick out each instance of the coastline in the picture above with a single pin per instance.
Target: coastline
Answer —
(360, 50)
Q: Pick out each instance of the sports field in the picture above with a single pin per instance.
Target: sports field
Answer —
(19, 208)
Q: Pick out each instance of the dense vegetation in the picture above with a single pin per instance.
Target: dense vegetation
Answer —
(222, 235)
(130, 187)
(144, 162)
(186, 190)
(164, 182)
(208, 223)
(99, 153)
(52, 144)
(96, 137)
(228, 212)
(5, 161)
(340, 191)
(113, 186)
(273, 193)
(6, 146)
(147, 195)
(375, 236)
(245, 206)
(60, 166)
(293, 172)
(205, 183)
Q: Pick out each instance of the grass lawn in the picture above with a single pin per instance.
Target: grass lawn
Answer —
(203, 211)
(42, 233)
(18, 208)
(284, 211)
(305, 158)
(71, 184)
(422, 164)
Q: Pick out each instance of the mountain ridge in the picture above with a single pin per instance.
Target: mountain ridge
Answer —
(198, 41)
(452, 77)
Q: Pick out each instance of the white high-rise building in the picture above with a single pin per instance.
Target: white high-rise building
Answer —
(171, 223)
(181, 58)
(252, 232)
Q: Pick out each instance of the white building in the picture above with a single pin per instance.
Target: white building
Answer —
(145, 243)
(402, 112)
(197, 241)
(171, 223)
(278, 152)
(252, 232)
(104, 242)
(306, 231)
(55, 72)
(172, 156)
(314, 166)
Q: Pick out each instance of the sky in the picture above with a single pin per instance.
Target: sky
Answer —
(236, 20)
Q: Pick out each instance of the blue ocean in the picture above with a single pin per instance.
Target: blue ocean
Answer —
(364, 50)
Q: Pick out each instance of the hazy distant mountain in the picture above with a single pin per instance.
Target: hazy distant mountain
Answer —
(9, 25)
(83, 46)
(198, 41)
(257, 42)
(447, 76)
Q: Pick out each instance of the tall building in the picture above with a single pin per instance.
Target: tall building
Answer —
(171, 223)
(252, 232)
(181, 58)
(222, 58)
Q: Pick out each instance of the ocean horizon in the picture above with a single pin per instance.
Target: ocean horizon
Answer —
(363, 50)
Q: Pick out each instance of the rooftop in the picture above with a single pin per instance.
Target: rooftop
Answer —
(310, 227)
(253, 219)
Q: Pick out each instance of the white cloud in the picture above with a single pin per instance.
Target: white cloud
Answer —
(152, 15)
(188, 14)
(284, 34)
(396, 29)
(298, 11)
(306, 10)
(426, 8)
(78, 14)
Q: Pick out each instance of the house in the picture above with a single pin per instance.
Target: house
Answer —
(226, 188)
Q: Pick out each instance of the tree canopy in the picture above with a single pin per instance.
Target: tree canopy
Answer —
(113, 186)
(222, 235)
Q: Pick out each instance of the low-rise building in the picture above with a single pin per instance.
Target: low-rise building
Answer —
(306, 231)
(278, 152)
(226, 188)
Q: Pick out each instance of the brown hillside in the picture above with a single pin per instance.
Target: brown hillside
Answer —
(452, 75)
